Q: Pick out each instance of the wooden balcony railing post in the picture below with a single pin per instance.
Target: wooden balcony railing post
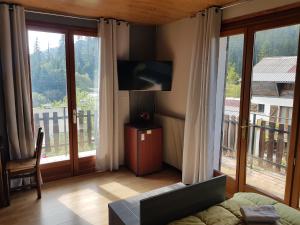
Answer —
(46, 131)
(231, 134)
(225, 132)
(280, 147)
(262, 142)
(81, 128)
(89, 127)
(55, 131)
(36, 122)
(65, 128)
(236, 134)
(270, 151)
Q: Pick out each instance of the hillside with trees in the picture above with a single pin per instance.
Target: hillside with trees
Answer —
(48, 73)
(268, 43)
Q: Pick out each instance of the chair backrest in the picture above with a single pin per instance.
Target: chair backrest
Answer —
(37, 141)
(39, 146)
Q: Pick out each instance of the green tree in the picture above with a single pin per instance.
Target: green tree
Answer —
(232, 76)
(48, 72)
(233, 82)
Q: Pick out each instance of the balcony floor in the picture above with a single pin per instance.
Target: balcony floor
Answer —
(262, 178)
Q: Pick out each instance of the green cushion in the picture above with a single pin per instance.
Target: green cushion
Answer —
(234, 205)
(217, 215)
(254, 198)
(228, 212)
(288, 215)
(190, 220)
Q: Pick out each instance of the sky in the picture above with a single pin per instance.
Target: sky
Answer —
(43, 38)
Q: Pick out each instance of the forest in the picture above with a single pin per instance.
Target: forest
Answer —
(267, 43)
(48, 73)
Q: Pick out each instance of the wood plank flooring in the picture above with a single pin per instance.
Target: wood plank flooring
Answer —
(81, 200)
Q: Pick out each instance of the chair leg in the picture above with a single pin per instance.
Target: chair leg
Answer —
(7, 186)
(38, 183)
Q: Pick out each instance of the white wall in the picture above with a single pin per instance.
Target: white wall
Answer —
(175, 42)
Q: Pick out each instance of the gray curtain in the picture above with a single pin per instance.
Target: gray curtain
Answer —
(15, 80)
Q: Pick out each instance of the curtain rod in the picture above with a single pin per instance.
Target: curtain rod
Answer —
(241, 2)
(62, 15)
(73, 17)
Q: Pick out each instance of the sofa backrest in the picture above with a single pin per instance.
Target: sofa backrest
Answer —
(164, 208)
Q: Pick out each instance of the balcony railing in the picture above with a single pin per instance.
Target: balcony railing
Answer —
(267, 141)
(55, 123)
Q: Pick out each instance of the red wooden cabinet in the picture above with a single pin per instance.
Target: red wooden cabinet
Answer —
(143, 148)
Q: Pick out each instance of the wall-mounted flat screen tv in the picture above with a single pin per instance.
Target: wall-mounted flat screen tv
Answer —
(145, 75)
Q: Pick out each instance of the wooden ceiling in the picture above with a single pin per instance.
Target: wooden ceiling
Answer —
(139, 11)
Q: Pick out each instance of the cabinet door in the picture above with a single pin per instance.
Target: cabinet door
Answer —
(150, 151)
(131, 145)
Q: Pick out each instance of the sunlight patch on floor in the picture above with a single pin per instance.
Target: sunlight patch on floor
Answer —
(85, 203)
(118, 190)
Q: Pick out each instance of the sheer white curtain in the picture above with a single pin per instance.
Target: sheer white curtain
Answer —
(114, 104)
(15, 80)
(198, 149)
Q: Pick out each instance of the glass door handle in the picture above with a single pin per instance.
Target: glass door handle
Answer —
(74, 116)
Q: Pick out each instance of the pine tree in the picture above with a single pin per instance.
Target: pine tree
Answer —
(36, 47)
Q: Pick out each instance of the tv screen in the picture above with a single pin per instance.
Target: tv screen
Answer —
(145, 75)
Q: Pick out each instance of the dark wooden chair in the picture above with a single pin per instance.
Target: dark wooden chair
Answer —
(26, 168)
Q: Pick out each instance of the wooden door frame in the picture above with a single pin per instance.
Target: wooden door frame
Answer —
(247, 99)
(88, 161)
(232, 185)
(71, 167)
(281, 18)
(295, 192)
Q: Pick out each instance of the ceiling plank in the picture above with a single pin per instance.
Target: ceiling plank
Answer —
(138, 11)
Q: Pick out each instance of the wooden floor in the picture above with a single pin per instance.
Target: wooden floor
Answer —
(81, 200)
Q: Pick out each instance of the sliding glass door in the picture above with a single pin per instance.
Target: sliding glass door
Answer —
(231, 67)
(86, 63)
(271, 108)
(260, 147)
(65, 88)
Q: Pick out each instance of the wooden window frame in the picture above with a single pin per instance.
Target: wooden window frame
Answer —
(280, 17)
(75, 165)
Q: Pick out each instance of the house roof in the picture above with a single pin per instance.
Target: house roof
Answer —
(232, 102)
(277, 69)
